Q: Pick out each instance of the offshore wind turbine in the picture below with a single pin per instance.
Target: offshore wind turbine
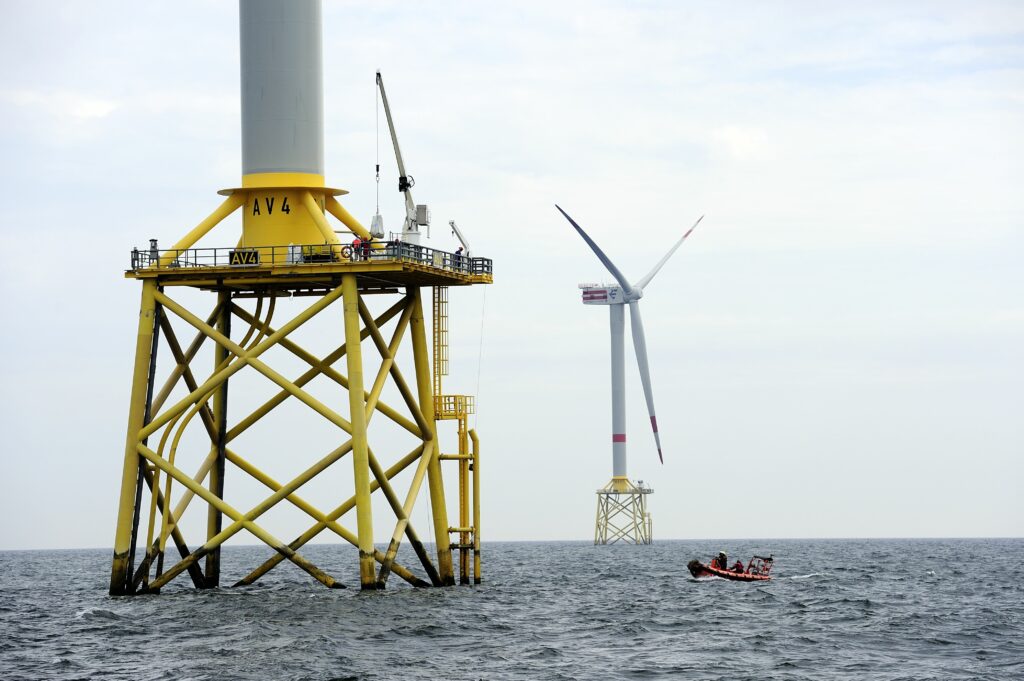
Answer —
(622, 505)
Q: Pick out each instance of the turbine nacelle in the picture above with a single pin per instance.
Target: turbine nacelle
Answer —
(594, 294)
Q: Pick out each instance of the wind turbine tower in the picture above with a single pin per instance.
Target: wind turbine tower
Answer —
(622, 504)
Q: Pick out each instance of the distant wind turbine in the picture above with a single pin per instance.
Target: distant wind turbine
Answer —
(616, 298)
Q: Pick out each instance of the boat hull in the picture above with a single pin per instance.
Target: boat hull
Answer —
(699, 569)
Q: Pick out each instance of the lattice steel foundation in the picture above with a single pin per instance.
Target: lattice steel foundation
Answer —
(622, 513)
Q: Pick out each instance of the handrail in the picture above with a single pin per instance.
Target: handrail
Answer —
(450, 406)
(306, 254)
(635, 489)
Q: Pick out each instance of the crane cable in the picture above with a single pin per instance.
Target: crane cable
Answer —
(480, 355)
(376, 123)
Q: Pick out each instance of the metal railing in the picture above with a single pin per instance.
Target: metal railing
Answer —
(638, 488)
(307, 254)
(451, 406)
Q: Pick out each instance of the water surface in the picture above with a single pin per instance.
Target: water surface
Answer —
(838, 609)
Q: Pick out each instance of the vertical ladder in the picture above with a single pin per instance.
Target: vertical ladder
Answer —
(440, 337)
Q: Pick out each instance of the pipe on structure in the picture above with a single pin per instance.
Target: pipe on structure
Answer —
(476, 505)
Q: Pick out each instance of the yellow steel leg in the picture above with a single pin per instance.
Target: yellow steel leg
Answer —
(119, 572)
(360, 455)
(476, 506)
(150, 383)
(220, 407)
(435, 482)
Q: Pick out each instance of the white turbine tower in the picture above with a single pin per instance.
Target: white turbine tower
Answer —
(621, 504)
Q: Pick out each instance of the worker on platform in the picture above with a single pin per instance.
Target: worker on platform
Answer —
(357, 245)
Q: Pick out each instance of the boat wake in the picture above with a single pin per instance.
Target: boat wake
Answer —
(813, 574)
(96, 613)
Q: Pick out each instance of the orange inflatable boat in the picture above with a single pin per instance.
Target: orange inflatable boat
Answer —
(758, 570)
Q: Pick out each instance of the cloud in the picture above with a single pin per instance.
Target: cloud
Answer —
(743, 144)
(62, 104)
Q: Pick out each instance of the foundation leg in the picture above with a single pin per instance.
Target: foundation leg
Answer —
(120, 571)
(360, 454)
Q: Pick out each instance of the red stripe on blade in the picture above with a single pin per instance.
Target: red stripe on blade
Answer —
(654, 424)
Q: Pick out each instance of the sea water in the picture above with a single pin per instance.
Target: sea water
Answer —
(837, 609)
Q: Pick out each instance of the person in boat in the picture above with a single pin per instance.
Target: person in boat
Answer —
(721, 561)
(738, 567)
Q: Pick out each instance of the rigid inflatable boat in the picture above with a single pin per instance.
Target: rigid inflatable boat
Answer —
(758, 570)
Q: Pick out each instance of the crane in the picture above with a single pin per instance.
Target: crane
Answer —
(416, 216)
(460, 236)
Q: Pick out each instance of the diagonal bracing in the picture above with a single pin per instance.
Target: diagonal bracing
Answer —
(234, 356)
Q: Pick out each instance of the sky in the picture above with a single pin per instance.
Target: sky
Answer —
(837, 350)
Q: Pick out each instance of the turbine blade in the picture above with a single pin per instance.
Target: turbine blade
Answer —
(609, 265)
(646, 280)
(640, 346)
